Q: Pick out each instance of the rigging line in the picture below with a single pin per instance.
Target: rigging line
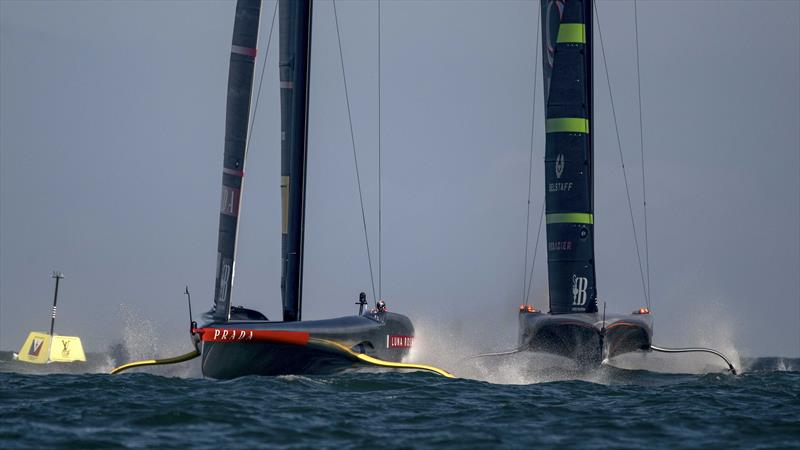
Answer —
(380, 216)
(261, 79)
(530, 166)
(355, 155)
(641, 147)
(621, 159)
(535, 252)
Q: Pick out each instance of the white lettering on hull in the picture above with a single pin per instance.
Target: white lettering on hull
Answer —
(222, 335)
(398, 341)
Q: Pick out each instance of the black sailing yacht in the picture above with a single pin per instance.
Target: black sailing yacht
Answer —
(574, 328)
(238, 341)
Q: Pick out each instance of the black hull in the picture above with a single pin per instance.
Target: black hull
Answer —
(584, 338)
(330, 348)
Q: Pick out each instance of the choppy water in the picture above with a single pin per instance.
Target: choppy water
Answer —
(610, 408)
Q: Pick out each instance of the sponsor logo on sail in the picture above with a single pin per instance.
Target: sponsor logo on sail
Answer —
(399, 341)
(579, 285)
(559, 165)
(36, 347)
(229, 204)
(224, 277)
(559, 186)
(559, 246)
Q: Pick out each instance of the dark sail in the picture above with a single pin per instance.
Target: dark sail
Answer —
(567, 68)
(237, 115)
(295, 56)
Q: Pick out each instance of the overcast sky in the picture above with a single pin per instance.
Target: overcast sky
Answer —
(111, 138)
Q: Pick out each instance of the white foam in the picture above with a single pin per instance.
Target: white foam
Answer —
(139, 340)
(449, 344)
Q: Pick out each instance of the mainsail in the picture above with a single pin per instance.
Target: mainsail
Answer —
(295, 56)
(567, 63)
(237, 115)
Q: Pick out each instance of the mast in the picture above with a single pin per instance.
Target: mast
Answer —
(237, 115)
(295, 57)
(569, 198)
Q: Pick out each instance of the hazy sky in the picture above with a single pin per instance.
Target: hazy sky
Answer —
(111, 137)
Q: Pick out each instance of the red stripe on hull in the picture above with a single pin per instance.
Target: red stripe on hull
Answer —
(239, 335)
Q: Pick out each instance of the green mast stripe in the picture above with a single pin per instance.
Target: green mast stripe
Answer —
(567, 125)
(570, 218)
(571, 33)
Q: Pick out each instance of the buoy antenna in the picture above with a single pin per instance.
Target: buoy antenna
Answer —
(58, 276)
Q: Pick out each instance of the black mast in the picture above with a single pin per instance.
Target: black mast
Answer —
(237, 116)
(569, 200)
(295, 57)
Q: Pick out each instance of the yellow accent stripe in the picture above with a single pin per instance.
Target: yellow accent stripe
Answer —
(570, 218)
(337, 346)
(571, 33)
(157, 362)
(379, 362)
(397, 365)
(567, 125)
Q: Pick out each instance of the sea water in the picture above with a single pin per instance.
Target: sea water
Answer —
(604, 408)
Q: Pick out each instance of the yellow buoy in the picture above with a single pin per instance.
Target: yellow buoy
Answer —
(66, 349)
(42, 348)
(36, 348)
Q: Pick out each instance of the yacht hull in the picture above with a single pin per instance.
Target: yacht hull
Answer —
(328, 346)
(585, 338)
